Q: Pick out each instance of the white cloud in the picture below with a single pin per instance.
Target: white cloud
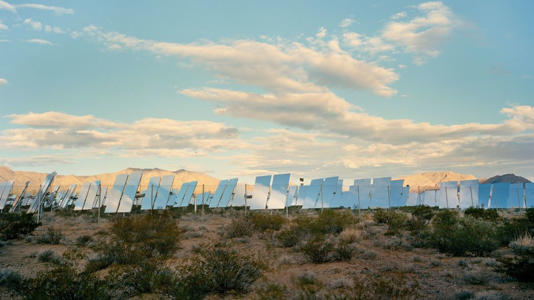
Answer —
(39, 41)
(346, 22)
(352, 39)
(422, 35)
(38, 26)
(321, 33)
(154, 136)
(282, 67)
(57, 10)
(3, 81)
(399, 15)
(7, 6)
(3, 26)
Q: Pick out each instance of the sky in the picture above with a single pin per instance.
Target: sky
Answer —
(355, 89)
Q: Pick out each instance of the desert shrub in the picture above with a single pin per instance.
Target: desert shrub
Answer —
(49, 256)
(272, 291)
(343, 251)
(216, 270)
(512, 229)
(396, 221)
(380, 286)
(13, 225)
(467, 236)
(464, 295)
(521, 265)
(136, 239)
(263, 221)
(63, 282)
(423, 212)
(317, 250)
(51, 236)
(309, 284)
(239, 227)
(288, 237)
(132, 280)
(481, 213)
(11, 280)
(328, 222)
(476, 278)
(83, 240)
(530, 215)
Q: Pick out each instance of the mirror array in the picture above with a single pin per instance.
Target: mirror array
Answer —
(268, 192)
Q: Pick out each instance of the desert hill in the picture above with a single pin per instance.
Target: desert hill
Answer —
(511, 178)
(431, 180)
(107, 179)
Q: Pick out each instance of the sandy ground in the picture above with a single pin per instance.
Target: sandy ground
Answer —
(438, 276)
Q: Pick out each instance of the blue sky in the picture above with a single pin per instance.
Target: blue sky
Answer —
(241, 88)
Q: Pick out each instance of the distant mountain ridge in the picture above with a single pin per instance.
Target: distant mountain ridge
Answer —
(107, 179)
(510, 178)
(431, 180)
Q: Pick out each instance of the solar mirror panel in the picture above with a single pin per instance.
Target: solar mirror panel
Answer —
(82, 196)
(8, 186)
(91, 197)
(302, 194)
(311, 198)
(515, 199)
(380, 192)
(529, 194)
(412, 199)
(41, 194)
(395, 193)
(468, 193)
(228, 193)
(130, 190)
(180, 195)
(189, 194)
(500, 195)
(292, 196)
(164, 192)
(279, 191)
(150, 193)
(448, 194)
(98, 195)
(260, 192)
(115, 193)
(348, 199)
(365, 194)
(484, 195)
(328, 192)
(103, 195)
(216, 198)
(2, 187)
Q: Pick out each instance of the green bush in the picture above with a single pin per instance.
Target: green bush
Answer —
(423, 212)
(459, 237)
(263, 221)
(13, 225)
(396, 221)
(521, 265)
(11, 280)
(136, 239)
(288, 237)
(512, 229)
(216, 270)
(343, 251)
(530, 215)
(49, 256)
(328, 222)
(481, 213)
(51, 236)
(239, 227)
(317, 250)
(64, 282)
(83, 240)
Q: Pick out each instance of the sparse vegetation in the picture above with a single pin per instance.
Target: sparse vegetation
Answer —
(264, 221)
(239, 227)
(13, 225)
(51, 236)
(521, 264)
(49, 256)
